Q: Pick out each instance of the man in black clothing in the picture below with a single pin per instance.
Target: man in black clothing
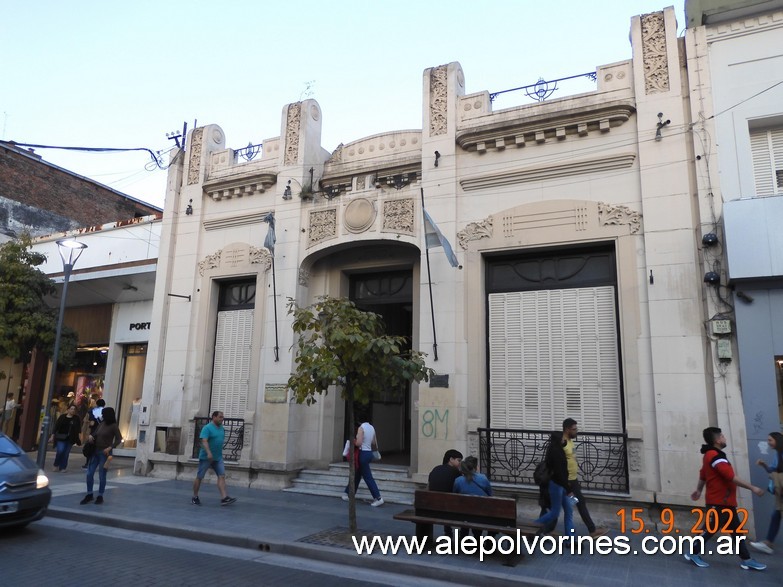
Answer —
(442, 477)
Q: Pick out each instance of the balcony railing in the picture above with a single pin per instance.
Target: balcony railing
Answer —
(235, 437)
(511, 456)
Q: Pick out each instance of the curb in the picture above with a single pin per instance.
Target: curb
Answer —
(480, 576)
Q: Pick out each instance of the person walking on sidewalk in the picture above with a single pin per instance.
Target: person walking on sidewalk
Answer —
(721, 482)
(560, 491)
(65, 434)
(106, 437)
(367, 442)
(570, 430)
(212, 436)
(775, 470)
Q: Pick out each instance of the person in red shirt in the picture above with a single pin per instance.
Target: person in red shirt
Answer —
(718, 475)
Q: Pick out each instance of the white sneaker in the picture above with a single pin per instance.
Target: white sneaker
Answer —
(377, 502)
(345, 497)
(762, 547)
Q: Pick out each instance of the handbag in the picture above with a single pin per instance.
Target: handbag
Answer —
(62, 436)
(771, 486)
(347, 449)
(542, 475)
(376, 455)
(88, 449)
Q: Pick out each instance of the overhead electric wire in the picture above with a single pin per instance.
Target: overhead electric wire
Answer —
(96, 150)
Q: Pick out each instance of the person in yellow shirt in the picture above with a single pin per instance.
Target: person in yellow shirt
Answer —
(570, 430)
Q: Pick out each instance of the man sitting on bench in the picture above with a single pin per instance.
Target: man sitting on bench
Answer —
(443, 476)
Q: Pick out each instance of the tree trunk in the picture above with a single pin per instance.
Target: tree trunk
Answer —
(351, 458)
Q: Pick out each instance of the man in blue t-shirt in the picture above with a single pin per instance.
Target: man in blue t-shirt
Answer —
(211, 457)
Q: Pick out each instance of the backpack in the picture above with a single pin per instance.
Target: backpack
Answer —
(542, 474)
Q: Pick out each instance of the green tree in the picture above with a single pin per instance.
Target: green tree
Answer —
(339, 344)
(26, 321)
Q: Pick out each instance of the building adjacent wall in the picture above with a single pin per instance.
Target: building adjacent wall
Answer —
(733, 60)
(41, 198)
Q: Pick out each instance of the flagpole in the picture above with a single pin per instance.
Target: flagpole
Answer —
(429, 282)
(274, 305)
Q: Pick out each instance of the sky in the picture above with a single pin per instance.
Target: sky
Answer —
(124, 74)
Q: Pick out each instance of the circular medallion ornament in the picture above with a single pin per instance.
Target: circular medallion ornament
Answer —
(359, 215)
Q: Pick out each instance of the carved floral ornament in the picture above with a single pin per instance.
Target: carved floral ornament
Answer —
(619, 215)
(323, 226)
(438, 100)
(398, 216)
(654, 56)
(475, 231)
(293, 120)
(194, 162)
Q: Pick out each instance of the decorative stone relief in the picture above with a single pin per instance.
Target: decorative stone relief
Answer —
(304, 277)
(210, 262)
(580, 218)
(359, 215)
(194, 163)
(261, 256)
(337, 154)
(323, 226)
(634, 458)
(617, 215)
(475, 231)
(398, 216)
(654, 55)
(360, 182)
(234, 256)
(438, 100)
(292, 133)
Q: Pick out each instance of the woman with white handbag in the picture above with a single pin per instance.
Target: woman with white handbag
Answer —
(367, 443)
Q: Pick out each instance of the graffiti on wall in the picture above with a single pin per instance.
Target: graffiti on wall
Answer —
(435, 425)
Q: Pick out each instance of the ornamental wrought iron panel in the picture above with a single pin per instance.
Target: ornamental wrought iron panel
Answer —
(232, 445)
(511, 456)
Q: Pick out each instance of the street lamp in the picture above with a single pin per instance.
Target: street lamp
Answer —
(69, 250)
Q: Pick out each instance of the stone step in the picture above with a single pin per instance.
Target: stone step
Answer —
(393, 482)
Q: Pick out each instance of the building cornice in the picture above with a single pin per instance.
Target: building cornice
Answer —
(538, 128)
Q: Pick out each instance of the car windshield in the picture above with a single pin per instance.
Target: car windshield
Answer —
(8, 448)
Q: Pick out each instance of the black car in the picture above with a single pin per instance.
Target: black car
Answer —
(24, 489)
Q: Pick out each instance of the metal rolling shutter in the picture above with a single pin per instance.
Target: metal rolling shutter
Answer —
(553, 354)
(231, 369)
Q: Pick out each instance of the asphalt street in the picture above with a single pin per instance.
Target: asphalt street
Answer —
(63, 553)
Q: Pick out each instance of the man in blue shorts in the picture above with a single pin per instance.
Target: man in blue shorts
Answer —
(211, 457)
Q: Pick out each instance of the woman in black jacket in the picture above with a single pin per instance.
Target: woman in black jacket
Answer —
(64, 436)
(560, 493)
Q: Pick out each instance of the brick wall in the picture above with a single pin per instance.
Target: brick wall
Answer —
(51, 197)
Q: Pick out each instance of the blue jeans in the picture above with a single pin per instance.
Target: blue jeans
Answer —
(364, 472)
(62, 452)
(97, 460)
(774, 526)
(559, 500)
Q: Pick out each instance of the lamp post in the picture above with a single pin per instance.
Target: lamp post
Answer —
(69, 250)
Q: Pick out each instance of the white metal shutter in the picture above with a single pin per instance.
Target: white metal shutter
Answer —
(552, 355)
(767, 152)
(231, 369)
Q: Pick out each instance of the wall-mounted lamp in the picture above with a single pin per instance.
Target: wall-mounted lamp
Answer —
(287, 191)
(709, 239)
(189, 209)
(437, 156)
(661, 124)
(331, 191)
(712, 278)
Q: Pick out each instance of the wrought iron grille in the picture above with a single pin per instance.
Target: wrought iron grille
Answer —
(248, 153)
(543, 89)
(232, 445)
(511, 456)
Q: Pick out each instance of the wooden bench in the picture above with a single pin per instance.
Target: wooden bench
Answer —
(496, 515)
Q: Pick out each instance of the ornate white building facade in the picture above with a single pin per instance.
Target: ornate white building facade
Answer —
(577, 226)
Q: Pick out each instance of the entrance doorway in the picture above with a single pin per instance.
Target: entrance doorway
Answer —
(389, 294)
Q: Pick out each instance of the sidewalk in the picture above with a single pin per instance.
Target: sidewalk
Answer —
(308, 526)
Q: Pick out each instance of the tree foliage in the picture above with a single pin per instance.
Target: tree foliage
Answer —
(339, 344)
(26, 321)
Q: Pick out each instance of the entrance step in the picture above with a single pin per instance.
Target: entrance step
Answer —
(393, 482)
